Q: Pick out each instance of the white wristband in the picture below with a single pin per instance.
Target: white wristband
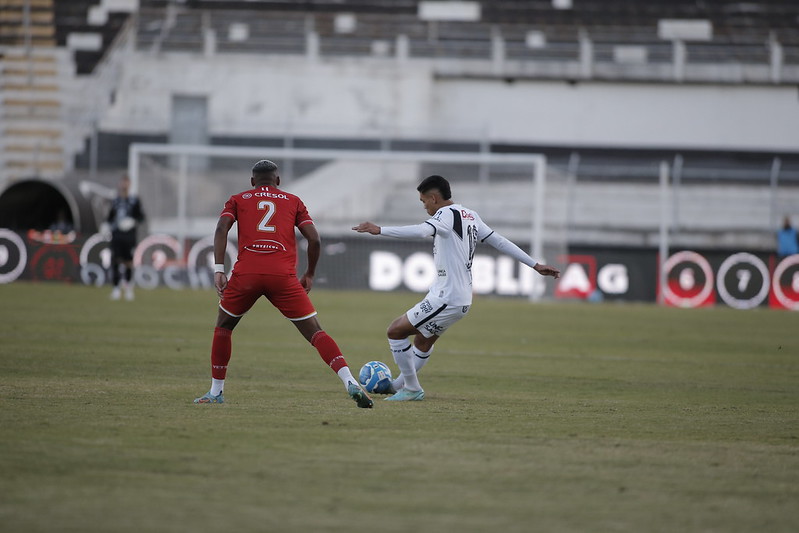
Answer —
(219, 268)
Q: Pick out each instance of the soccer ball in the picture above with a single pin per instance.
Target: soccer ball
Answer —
(375, 376)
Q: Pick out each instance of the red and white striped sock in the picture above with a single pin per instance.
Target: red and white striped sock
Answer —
(220, 352)
(331, 354)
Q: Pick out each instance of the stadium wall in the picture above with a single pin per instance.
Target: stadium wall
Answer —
(625, 115)
(280, 95)
(733, 278)
(275, 96)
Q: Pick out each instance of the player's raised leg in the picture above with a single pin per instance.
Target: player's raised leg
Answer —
(332, 356)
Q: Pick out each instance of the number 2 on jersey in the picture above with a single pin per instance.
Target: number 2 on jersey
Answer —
(270, 212)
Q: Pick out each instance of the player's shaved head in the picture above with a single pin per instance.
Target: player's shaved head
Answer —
(265, 172)
(264, 166)
(438, 183)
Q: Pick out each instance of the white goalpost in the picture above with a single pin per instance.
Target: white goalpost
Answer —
(176, 177)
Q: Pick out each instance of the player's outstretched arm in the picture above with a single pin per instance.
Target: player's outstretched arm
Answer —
(546, 270)
(508, 248)
(367, 227)
(416, 231)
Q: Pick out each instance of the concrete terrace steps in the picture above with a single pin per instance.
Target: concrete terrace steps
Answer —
(40, 29)
(34, 89)
(733, 37)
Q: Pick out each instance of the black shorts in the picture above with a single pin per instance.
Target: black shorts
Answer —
(122, 247)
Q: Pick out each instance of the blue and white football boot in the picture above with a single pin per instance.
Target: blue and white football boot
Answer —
(359, 395)
(208, 398)
(405, 395)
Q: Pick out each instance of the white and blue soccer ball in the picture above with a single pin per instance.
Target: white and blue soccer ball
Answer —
(375, 376)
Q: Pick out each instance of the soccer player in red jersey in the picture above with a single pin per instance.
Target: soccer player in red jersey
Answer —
(266, 266)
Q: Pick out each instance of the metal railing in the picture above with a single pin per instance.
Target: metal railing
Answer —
(767, 61)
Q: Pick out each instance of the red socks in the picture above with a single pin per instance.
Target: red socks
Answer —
(220, 353)
(221, 348)
(328, 350)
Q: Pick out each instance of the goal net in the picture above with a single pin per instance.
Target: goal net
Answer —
(183, 188)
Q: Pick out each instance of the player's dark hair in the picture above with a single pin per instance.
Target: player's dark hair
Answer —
(435, 182)
(264, 166)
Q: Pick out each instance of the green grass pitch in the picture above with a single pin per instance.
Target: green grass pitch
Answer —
(550, 417)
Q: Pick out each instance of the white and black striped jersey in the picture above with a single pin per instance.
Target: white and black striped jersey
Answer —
(456, 230)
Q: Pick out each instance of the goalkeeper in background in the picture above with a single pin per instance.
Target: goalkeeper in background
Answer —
(456, 230)
(125, 216)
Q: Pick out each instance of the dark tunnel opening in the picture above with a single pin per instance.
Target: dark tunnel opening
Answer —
(35, 204)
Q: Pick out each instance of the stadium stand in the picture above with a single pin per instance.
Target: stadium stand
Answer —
(73, 18)
(44, 46)
(741, 33)
(61, 51)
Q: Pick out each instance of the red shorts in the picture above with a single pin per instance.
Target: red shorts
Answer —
(285, 293)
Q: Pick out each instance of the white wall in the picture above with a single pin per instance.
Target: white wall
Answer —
(249, 95)
(627, 115)
(268, 95)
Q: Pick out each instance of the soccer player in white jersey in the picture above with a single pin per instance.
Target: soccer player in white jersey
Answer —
(456, 230)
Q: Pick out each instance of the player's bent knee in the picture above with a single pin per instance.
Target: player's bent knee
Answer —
(399, 330)
(392, 332)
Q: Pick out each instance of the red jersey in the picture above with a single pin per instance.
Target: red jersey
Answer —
(267, 217)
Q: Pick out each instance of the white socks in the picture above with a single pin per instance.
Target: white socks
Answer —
(217, 386)
(420, 358)
(409, 359)
(346, 377)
